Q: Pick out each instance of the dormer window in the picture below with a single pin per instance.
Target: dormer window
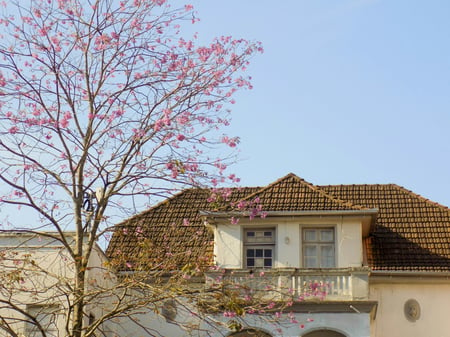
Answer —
(319, 247)
(259, 247)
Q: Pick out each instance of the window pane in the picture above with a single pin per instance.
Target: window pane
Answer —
(259, 247)
(319, 248)
(310, 235)
(310, 258)
(327, 250)
(310, 250)
(267, 263)
(327, 256)
(259, 236)
(310, 262)
(326, 235)
(259, 257)
(259, 263)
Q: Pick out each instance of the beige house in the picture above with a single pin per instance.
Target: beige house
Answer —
(36, 274)
(357, 260)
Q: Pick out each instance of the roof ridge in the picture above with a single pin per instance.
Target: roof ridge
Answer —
(313, 187)
(428, 201)
(279, 180)
(335, 185)
(397, 187)
(339, 200)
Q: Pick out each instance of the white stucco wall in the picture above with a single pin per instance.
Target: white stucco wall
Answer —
(47, 270)
(433, 297)
(228, 245)
(349, 244)
(299, 324)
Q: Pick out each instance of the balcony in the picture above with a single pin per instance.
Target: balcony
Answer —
(339, 285)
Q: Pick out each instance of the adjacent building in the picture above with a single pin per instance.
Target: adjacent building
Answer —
(36, 279)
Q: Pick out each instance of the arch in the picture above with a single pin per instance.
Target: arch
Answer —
(323, 333)
(250, 332)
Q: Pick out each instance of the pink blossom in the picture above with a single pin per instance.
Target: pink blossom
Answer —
(271, 305)
(231, 142)
(37, 12)
(65, 121)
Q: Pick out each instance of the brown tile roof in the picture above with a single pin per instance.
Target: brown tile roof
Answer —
(292, 193)
(170, 233)
(411, 232)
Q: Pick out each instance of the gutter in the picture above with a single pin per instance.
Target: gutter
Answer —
(408, 276)
(212, 214)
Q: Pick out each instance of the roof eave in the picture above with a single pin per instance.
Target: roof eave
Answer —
(402, 276)
(367, 224)
(229, 214)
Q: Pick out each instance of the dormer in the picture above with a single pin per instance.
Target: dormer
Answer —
(301, 227)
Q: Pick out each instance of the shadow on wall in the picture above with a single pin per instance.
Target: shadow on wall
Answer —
(323, 333)
(250, 333)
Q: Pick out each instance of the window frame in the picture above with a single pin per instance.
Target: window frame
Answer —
(317, 243)
(260, 246)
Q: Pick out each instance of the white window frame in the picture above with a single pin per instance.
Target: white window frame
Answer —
(319, 244)
(262, 245)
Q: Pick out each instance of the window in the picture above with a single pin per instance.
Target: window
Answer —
(318, 248)
(259, 247)
(46, 316)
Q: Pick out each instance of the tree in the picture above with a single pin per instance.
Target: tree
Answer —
(104, 103)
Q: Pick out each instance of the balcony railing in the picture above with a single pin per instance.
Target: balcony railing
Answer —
(341, 284)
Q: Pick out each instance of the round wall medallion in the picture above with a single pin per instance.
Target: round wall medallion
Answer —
(169, 310)
(412, 310)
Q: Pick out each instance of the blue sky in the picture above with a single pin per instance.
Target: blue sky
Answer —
(351, 91)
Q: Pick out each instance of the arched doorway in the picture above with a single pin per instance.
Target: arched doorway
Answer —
(324, 333)
(250, 332)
